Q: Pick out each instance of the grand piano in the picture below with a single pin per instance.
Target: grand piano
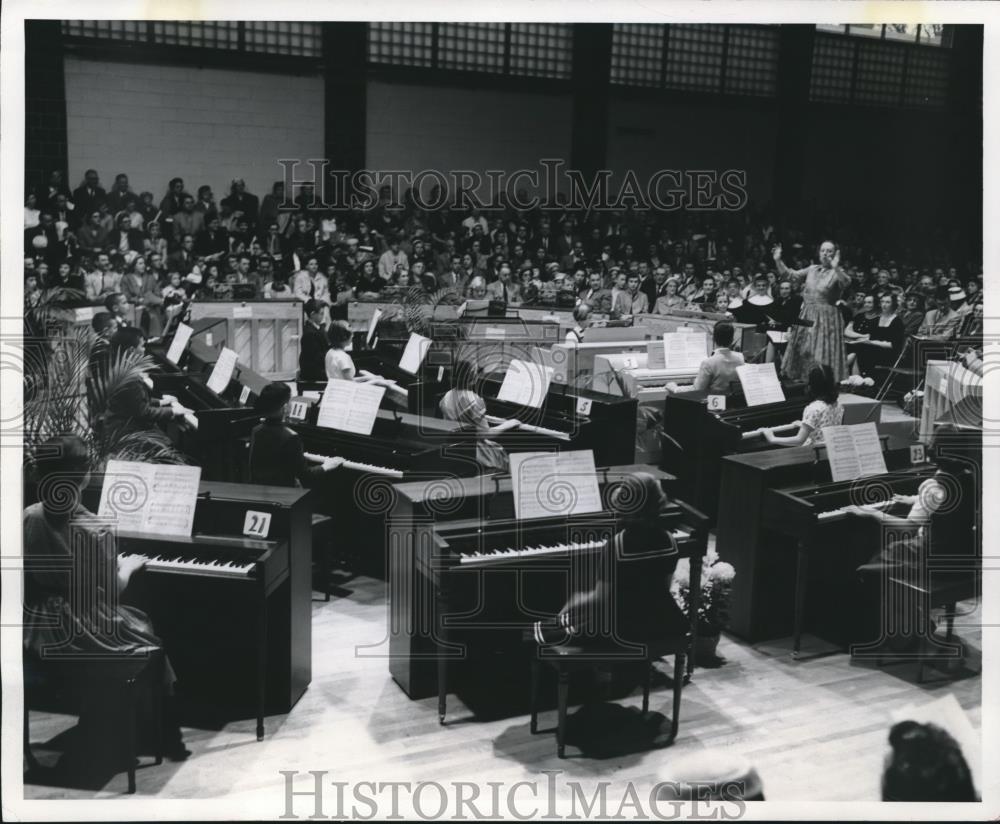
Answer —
(783, 527)
(466, 577)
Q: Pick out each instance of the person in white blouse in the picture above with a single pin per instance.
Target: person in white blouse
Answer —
(822, 410)
(338, 361)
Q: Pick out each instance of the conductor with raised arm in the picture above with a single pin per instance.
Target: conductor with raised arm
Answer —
(823, 342)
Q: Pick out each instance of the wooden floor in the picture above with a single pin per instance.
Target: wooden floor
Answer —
(815, 729)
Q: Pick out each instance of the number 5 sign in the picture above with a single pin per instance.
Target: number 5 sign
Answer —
(257, 524)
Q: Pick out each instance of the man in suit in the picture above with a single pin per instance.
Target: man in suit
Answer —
(312, 350)
(183, 259)
(504, 289)
(240, 200)
(638, 302)
(89, 195)
(595, 295)
(120, 194)
(124, 239)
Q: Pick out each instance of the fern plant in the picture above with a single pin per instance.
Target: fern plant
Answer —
(63, 397)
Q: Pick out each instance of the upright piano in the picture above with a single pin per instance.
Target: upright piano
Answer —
(782, 526)
(222, 416)
(695, 438)
(466, 577)
(232, 602)
(568, 419)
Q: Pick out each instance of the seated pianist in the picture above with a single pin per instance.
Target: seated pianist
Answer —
(718, 370)
(580, 314)
(124, 392)
(467, 408)
(339, 365)
(823, 409)
(276, 455)
(941, 516)
(632, 591)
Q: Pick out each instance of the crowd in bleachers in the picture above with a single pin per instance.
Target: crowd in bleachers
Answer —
(161, 253)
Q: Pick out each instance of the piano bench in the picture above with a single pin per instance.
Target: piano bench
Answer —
(568, 658)
(48, 682)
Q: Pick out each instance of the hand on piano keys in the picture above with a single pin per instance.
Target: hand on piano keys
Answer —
(874, 510)
(197, 564)
(505, 424)
(364, 376)
(764, 431)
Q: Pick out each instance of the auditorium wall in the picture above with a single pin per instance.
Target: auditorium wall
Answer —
(649, 135)
(206, 125)
(418, 127)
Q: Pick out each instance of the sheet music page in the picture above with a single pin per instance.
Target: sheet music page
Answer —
(525, 384)
(414, 353)
(173, 499)
(842, 453)
(223, 370)
(760, 383)
(656, 355)
(125, 494)
(870, 456)
(179, 343)
(683, 350)
(350, 406)
(372, 324)
(155, 498)
(548, 484)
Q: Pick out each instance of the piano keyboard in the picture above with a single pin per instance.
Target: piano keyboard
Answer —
(527, 427)
(197, 566)
(388, 471)
(838, 514)
(501, 556)
(754, 433)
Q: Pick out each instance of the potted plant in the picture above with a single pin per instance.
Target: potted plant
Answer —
(713, 610)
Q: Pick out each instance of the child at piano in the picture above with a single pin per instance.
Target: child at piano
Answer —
(276, 454)
(90, 630)
(339, 364)
(822, 410)
(632, 590)
(469, 409)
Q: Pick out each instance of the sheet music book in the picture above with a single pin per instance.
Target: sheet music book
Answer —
(222, 372)
(372, 324)
(350, 406)
(682, 350)
(549, 484)
(179, 343)
(155, 498)
(760, 383)
(853, 451)
(656, 355)
(414, 353)
(525, 384)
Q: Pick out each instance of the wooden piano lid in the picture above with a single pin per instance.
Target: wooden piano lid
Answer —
(417, 491)
(285, 496)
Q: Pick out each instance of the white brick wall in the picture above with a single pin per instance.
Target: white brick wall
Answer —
(204, 125)
(421, 127)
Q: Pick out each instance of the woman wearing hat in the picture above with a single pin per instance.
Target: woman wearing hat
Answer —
(671, 300)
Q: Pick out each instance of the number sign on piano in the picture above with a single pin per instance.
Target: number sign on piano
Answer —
(414, 353)
(350, 406)
(526, 384)
(257, 524)
(154, 498)
(297, 410)
(179, 343)
(760, 383)
(853, 451)
(547, 484)
(223, 370)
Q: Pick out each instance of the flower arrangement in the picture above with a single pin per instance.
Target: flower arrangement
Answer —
(716, 585)
(857, 380)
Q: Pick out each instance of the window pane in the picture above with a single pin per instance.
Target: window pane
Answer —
(902, 31)
(284, 37)
(407, 44)
(927, 77)
(223, 34)
(865, 29)
(124, 30)
(471, 46)
(833, 60)
(694, 57)
(541, 49)
(880, 74)
(636, 54)
(752, 60)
